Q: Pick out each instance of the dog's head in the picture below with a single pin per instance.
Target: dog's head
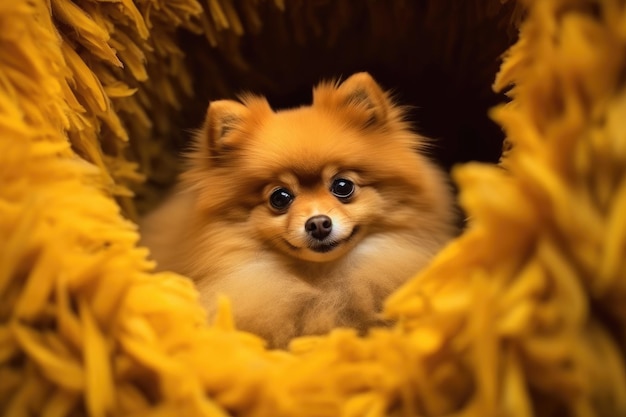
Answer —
(313, 182)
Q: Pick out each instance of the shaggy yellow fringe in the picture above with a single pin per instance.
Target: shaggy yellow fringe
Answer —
(524, 314)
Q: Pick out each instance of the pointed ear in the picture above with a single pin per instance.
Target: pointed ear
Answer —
(223, 117)
(360, 95)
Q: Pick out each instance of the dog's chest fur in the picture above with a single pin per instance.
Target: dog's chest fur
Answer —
(279, 300)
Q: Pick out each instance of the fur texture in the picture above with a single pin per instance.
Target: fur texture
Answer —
(240, 221)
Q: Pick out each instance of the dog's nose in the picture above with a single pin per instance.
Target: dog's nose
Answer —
(319, 226)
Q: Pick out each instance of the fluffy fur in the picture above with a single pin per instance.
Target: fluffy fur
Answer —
(288, 276)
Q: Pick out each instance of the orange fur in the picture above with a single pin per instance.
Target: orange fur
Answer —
(220, 230)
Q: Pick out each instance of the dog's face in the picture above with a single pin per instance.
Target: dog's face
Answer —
(318, 217)
(313, 182)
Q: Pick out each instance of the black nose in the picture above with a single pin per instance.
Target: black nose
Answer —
(319, 226)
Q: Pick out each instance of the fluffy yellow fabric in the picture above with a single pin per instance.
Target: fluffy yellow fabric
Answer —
(522, 315)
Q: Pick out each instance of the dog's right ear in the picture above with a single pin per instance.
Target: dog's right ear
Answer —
(224, 117)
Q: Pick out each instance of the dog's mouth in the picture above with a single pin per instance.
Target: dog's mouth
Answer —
(325, 246)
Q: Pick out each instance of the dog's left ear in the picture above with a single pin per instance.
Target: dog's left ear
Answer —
(360, 95)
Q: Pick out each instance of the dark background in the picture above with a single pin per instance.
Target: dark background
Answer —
(438, 59)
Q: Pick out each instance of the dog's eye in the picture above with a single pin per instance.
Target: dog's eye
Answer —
(281, 198)
(342, 188)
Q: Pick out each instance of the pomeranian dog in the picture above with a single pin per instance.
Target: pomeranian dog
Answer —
(307, 218)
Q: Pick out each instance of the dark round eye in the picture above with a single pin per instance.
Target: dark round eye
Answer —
(281, 198)
(342, 188)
